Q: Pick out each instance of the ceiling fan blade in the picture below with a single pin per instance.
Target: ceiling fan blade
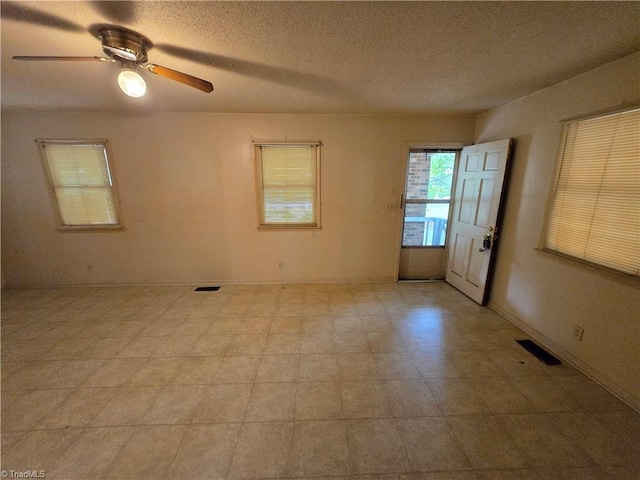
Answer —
(21, 13)
(118, 11)
(190, 80)
(286, 76)
(72, 59)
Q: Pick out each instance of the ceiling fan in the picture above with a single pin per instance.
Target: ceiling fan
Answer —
(129, 48)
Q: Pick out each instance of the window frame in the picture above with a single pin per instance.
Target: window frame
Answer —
(567, 258)
(262, 224)
(60, 225)
(406, 201)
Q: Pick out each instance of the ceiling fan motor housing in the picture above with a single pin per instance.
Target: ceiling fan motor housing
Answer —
(123, 44)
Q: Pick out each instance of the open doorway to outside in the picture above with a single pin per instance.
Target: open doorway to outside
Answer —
(427, 198)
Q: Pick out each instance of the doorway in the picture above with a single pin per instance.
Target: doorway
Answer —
(426, 211)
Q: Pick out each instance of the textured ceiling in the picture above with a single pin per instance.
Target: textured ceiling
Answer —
(314, 57)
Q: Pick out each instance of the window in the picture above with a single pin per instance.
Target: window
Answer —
(595, 209)
(81, 184)
(288, 183)
(427, 197)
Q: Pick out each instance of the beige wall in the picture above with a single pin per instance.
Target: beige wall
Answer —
(186, 184)
(188, 203)
(546, 295)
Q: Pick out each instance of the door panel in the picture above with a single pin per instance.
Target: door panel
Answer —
(422, 263)
(492, 161)
(487, 190)
(467, 199)
(472, 163)
(459, 253)
(476, 204)
(476, 270)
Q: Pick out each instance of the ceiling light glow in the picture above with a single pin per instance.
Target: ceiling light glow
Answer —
(131, 83)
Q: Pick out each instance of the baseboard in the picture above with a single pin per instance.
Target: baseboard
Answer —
(581, 366)
(317, 281)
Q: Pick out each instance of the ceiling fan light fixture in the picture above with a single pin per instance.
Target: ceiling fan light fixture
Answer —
(131, 83)
(129, 49)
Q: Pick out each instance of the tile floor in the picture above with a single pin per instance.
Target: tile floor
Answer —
(384, 381)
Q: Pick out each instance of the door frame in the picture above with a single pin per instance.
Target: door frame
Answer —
(408, 146)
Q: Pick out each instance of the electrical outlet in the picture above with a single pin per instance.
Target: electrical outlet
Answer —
(280, 265)
(578, 332)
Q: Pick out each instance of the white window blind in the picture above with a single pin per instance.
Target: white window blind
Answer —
(595, 212)
(288, 184)
(81, 183)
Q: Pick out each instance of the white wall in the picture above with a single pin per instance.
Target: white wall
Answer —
(186, 184)
(544, 294)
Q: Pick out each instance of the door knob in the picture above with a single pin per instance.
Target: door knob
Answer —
(486, 243)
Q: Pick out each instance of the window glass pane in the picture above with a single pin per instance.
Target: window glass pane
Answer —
(77, 165)
(428, 192)
(441, 175)
(417, 176)
(429, 175)
(82, 183)
(425, 224)
(595, 215)
(288, 184)
(288, 205)
(86, 206)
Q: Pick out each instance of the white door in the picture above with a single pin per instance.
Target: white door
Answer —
(476, 208)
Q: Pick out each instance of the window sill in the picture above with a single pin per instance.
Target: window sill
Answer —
(91, 228)
(289, 227)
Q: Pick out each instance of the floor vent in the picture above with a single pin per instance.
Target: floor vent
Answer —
(539, 352)
(207, 289)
